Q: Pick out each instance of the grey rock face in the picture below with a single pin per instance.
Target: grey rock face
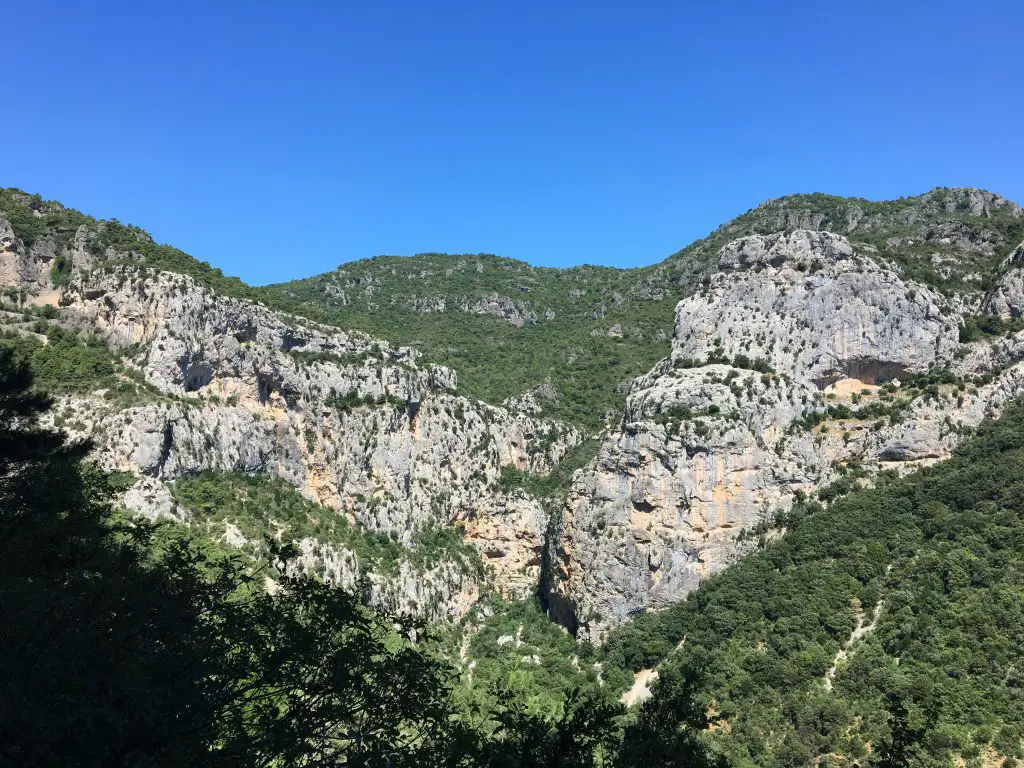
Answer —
(1007, 298)
(709, 447)
(515, 312)
(809, 306)
(352, 422)
(7, 237)
(30, 267)
(21, 267)
(975, 201)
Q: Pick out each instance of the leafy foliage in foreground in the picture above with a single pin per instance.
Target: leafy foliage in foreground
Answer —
(160, 650)
(937, 556)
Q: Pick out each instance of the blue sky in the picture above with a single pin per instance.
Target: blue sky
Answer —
(276, 140)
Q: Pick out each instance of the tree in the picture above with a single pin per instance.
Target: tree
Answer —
(585, 734)
(667, 729)
(906, 741)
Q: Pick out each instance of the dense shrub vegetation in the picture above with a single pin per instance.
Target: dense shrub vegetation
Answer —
(977, 327)
(939, 555)
(33, 218)
(571, 357)
(64, 361)
(553, 485)
(515, 650)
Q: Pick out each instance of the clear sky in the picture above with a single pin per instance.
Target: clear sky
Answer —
(278, 139)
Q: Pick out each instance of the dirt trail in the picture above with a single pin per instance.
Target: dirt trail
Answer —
(859, 631)
(641, 690)
(642, 680)
(45, 299)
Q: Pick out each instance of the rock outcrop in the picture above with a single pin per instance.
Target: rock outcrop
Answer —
(1006, 300)
(27, 268)
(352, 422)
(772, 387)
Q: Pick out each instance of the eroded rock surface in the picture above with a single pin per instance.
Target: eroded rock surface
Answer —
(352, 422)
(726, 430)
(813, 335)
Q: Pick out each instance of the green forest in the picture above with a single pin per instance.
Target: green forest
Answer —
(937, 558)
(929, 568)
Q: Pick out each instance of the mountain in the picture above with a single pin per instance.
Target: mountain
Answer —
(810, 334)
(453, 435)
(173, 371)
(803, 357)
(578, 336)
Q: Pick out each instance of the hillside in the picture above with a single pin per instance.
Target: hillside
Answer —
(911, 590)
(174, 371)
(488, 446)
(851, 611)
(572, 337)
(578, 336)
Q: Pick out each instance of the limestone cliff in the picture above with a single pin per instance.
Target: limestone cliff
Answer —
(773, 386)
(813, 339)
(357, 424)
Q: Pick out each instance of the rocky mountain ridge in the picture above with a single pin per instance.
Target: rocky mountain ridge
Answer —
(799, 361)
(362, 427)
(814, 340)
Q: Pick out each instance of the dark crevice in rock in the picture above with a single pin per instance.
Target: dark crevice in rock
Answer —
(247, 334)
(290, 341)
(558, 608)
(165, 448)
(642, 505)
(198, 376)
(264, 388)
(866, 370)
